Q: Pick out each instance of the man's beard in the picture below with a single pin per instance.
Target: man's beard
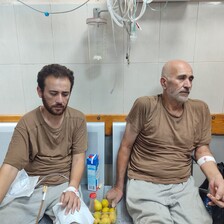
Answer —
(52, 110)
(182, 99)
(178, 97)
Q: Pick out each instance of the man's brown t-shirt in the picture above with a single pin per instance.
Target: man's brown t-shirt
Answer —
(42, 150)
(164, 145)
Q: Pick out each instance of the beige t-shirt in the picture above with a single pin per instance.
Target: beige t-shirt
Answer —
(163, 148)
(42, 150)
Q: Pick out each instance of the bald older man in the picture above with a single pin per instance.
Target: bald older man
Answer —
(161, 133)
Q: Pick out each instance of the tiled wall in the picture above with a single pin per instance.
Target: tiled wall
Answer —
(192, 31)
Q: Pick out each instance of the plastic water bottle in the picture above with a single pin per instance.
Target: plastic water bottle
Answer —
(92, 197)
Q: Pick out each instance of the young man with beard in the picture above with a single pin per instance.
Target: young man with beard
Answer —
(49, 142)
(161, 133)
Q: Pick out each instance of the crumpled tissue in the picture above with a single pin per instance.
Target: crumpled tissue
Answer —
(22, 186)
(83, 216)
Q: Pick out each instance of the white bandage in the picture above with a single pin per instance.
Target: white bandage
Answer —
(72, 189)
(205, 159)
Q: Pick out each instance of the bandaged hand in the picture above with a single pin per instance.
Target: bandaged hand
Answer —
(70, 200)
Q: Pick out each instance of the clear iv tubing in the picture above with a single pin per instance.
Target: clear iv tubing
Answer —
(118, 18)
(51, 175)
(109, 6)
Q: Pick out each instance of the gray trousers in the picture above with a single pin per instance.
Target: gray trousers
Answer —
(149, 203)
(25, 210)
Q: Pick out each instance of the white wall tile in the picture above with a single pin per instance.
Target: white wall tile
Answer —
(106, 88)
(98, 88)
(210, 32)
(178, 27)
(208, 85)
(70, 34)
(81, 93)
(12, 99)
(9, 53)
(30, 40)
(34, 34)
(29, 82)
(114, 42)
(145, 48)
(140, 79)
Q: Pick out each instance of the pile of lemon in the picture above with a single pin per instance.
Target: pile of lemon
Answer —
(104, 214)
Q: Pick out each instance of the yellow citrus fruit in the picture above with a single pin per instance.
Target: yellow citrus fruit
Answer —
(97, 215)
(104, 215)
(111, 209)
(96, 221)
(105, 210)
(105, 203)
(112, 217)
(97, 205)
(105, 220)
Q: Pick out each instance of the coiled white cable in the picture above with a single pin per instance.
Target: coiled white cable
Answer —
(128, 12)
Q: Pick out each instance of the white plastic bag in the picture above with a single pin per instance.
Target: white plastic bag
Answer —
(22, 186)
(82, 216)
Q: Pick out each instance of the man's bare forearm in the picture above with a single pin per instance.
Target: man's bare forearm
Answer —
(122, 163)
(7, 175)
(78, 167)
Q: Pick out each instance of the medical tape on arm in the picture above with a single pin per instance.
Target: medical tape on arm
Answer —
(205, 159)
(72, 189)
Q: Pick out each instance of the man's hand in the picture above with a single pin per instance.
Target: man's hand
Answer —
(216, 186)
(114, 195)
(70, 201)
(215, 201)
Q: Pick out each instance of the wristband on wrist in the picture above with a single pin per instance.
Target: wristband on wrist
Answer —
(205, 159)
(72, 189)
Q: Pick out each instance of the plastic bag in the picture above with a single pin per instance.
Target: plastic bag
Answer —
(22, 186)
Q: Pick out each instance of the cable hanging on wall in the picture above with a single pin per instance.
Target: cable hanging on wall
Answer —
(126, 10)
(126, 13)
(52, 13)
